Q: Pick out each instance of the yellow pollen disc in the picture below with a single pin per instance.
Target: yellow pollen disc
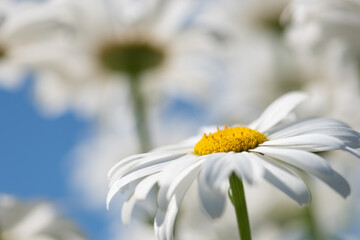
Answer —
(235, 139)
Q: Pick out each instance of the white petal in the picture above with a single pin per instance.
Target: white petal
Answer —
(257, 168)
(133, 176)
(141, 191)
(133, 163)
(217, 169)
(212, 200)
(324, 126)
(285, 180)
(127, 209)
(175, 178)
(164, 220)
(243, 167)
(309, 163)
(277, 111)
(353, 151)
(144, 187)
(115, 169)
(308, 142)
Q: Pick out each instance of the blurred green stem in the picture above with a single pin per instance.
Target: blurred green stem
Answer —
(237, 198)
(313, 228)
(139, 113)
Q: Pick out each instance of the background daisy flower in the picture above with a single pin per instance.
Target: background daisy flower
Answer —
(267, 148)
(116, 46)
(37, 220)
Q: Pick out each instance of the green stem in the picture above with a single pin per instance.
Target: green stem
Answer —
(238, 200)
(139, 113)
(313, 228)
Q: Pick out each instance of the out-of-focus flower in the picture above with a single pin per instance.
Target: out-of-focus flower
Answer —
(253, 38)
(116, 44)
(315, 24)
(264, 150)
(37, 220)
(323, 34)
(15, 41)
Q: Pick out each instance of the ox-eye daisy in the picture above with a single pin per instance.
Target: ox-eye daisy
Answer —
(267, 148)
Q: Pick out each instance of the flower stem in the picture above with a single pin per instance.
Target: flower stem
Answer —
(139, 113)
(313, 228)
(238, 200)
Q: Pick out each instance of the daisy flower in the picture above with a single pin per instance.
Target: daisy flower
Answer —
(109, 49)
(267, 148)
(37, 220)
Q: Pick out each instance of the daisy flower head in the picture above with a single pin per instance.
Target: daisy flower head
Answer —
(116, 47)
(269, 148)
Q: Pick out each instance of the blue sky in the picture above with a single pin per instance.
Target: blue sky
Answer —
(34, 152)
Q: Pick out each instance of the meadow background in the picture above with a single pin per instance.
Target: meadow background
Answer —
(68, 112)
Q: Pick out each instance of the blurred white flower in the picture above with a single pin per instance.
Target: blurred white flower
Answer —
(37, 220)
(257, 55)
(317, 23)
(265, 152)
(15, 49)
(323, 34)
(108, 42)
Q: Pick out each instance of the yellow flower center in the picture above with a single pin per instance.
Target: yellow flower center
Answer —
(236, 139)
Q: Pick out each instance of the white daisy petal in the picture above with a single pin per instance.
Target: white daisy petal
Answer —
(327, 126)
(353, 151)
(127, 209)
(169, 185)
(309, 163)
(308, 142)
(164, 221)
(140, 161)
(285, 180)
(217, 169)
(257, 168)
(133, 176)
(212, 200)
(243, 167)
(118, 166)
(159, 222)
(142, 189)
(277, 111)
